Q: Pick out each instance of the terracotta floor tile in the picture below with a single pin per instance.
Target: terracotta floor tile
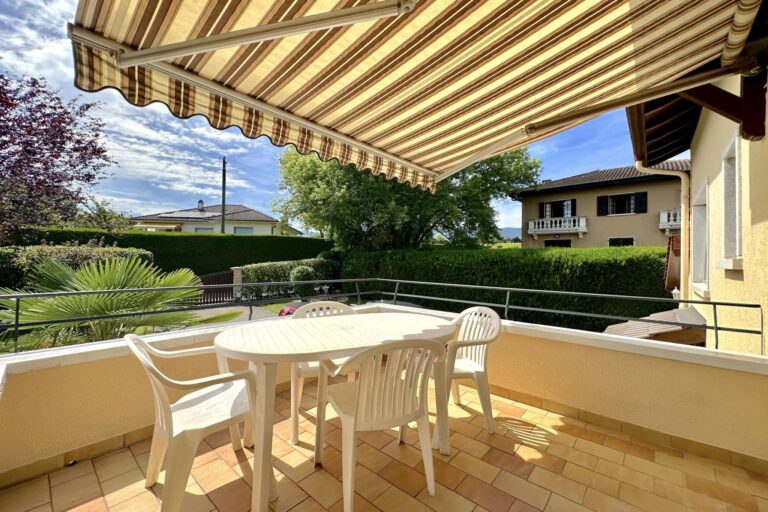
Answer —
(625, 474)
(580, 432)
(508, 462)
(600, 451)
(721, 492)
(445, 500)
(375, 438)
(144, 502)
(369, 484)
(687, 497)
(530, 493)
(685, 465)
(656, 470)
(646, 500)
(323, 487)
(599, 502)
(213, 475)
(405, 453)
(372, 458)
(557, 503)
(234, 496)
(463, 427)
(25, 496)
(404, 477)
(395, 500)
(539, 458)
(567, 453)
(195, 500)
(114, 464)
(140, 447)
(68, 473)
(332, 461)
(565, 487)
(485, 495)
(95, 505)
(475, 467)
(469, 445)
(629, 447)
(218, 438)
(75, 492)
(361, 505)
(289, 494)
(445, 474)
(295, 466)
(122, 487)
(591, 479)
(42, 508)
(521, 506)
(502, 443)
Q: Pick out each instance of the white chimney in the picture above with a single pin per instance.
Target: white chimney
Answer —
(201, 205)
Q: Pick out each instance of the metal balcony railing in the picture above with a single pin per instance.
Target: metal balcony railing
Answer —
(557, 225)
(256, 294)
(669, 218)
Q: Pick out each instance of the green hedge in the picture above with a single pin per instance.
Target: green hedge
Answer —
(204, 253)
(17, 262)
(625, 271)
(281, 271)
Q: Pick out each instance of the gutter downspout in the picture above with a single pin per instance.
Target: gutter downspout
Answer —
(685, 232)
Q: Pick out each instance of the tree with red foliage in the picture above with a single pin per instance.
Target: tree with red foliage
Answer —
(51, 153)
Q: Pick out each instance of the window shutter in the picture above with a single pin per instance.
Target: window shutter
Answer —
(602, 206)
(573, 207)
(641, 202)
(541, 209)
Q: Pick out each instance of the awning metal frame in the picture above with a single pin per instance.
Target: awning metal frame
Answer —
(92, 39)
(313, 23)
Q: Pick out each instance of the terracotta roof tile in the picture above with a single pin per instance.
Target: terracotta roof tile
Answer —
(234, 212)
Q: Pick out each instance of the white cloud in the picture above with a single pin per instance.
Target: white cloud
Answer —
(509, 213)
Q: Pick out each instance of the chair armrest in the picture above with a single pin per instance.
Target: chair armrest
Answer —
(191, 385)
(168, 354)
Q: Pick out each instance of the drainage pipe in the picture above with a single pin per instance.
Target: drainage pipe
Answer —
(685, 232)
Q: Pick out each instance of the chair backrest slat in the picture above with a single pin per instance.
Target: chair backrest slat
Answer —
(393, 382)
(143, 352)
(478, 324)
(323, 308)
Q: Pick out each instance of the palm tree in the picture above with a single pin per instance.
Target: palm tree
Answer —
(111, 274)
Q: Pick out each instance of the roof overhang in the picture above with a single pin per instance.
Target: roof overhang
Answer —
(412, 91)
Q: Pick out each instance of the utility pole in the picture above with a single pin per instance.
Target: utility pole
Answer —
(223, 192)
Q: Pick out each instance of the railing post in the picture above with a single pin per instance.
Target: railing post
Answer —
(506, 307)
(237, 281)
(357, 290)
(394, 298)
(250, 303)
(16, 326)
(717, 334)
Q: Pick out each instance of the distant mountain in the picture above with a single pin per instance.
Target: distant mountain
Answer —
(511, 232)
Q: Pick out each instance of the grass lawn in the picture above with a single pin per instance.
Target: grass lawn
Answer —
(503, 245)
(275, 308)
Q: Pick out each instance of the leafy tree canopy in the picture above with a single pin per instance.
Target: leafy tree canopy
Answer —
(362, 211)
(51, 151)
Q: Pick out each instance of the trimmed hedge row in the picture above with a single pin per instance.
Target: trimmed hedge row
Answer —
(203, 253)
(281, 271)
(17, 262)
(626, 271)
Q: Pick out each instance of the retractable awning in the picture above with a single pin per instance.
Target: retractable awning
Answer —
(412, 90)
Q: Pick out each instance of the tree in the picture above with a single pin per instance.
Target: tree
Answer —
(100, 214)
(362, 211)
(51, 151)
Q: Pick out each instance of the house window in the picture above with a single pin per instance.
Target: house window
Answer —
(203, 230)
(553, 209)
(243, 231)
(622, 204)
(731, 204)
(626, 241)
(699, 239)
(557, 243)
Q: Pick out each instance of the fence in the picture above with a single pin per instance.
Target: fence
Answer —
(255, 294)
(220, 294)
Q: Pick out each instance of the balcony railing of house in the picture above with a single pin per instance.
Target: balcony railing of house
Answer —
(669, 218)
(557, 225)
(391, 290)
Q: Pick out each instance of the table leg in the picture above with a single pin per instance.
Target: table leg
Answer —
(440, 438)
(263, 475)
(322, 386)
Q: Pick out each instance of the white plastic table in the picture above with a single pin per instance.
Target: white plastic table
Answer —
(267, 343)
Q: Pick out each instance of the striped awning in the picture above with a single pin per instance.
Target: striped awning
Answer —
(415, 96)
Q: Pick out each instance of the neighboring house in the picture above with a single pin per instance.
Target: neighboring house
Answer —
(728, 235)
(603, 208)
(239, 220)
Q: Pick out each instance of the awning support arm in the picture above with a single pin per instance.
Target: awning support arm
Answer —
(313, 23)
(97, 41)
(748, 66)
(748, 110)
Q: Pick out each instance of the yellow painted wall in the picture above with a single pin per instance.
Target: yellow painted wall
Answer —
(713, 135)
(644, 227)
(715, 406)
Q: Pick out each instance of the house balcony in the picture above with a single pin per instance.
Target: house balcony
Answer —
(557, 225)
(669, 219)
(578, 426)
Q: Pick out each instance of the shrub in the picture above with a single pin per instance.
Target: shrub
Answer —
(203, 253)
(303, 273)
(17, 262)
(281, 271)
(625, 271)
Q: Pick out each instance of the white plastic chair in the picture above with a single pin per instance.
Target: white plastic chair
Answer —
(210, 404)
(468, 354)
(391, 391)
(299, 371)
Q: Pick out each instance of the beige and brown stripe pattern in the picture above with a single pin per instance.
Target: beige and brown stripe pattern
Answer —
(413, 96)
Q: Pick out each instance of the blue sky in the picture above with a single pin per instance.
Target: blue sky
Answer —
(164, 163)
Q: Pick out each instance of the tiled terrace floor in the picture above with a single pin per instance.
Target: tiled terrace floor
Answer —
(537, 460)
